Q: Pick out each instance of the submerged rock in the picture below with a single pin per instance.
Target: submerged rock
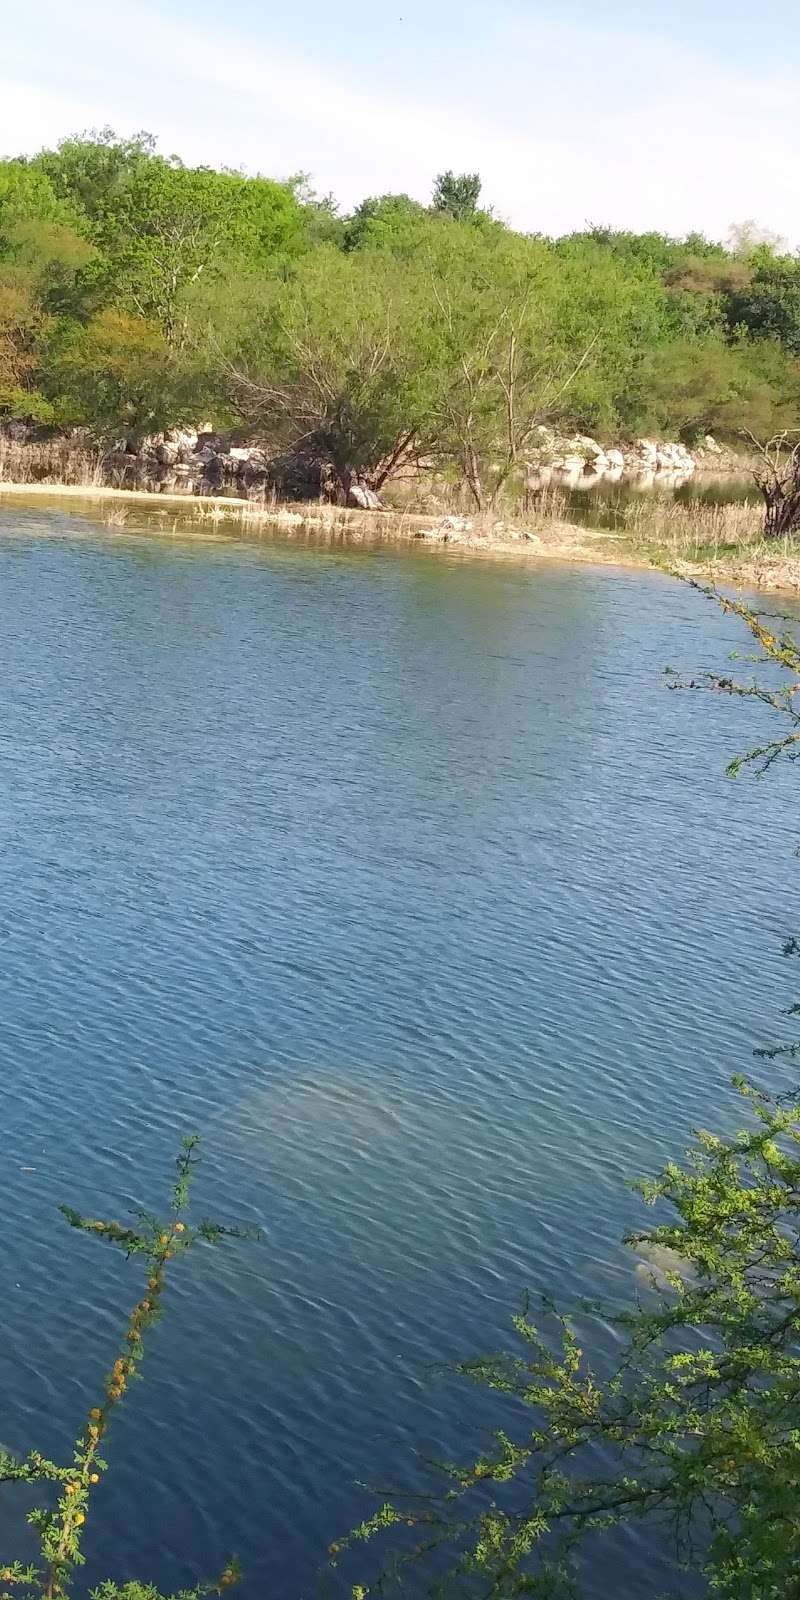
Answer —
(659, 1264)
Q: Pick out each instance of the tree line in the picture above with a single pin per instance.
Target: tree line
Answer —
(139, 294)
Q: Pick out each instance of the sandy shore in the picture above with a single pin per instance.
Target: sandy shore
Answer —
(202, 512)
(534, 541)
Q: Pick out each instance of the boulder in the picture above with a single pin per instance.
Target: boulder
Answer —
(15, 430)
(659, 1265)
(449, 530)
(213, 473)
(184, 438)
(363, 499)
(588, 448)
(646, 449)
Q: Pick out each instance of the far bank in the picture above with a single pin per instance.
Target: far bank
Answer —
(719, 543)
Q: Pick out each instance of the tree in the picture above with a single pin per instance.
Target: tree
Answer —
(321, 222)
(691, 387)
(21, 325)
(180, 223)
(118, 375)
(769, 305)
(91, 171)
(26, 195)
(385, 222)
(694, 1429)
(457, 195)
(523, 334)
(778, 478)
(749, 237)
(331, 361)
(159, 226)
(41, 258)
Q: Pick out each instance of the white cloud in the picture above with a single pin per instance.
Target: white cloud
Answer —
(609, 127)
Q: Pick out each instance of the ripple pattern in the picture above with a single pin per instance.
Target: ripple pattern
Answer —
(406, 883)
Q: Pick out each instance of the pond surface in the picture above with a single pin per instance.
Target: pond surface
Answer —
(405, 881)
(601, 501)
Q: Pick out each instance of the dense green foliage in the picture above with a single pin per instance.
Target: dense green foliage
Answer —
(136, 292)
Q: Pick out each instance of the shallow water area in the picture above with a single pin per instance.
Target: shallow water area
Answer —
(406, 882)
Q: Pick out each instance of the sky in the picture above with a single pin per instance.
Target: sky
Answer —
(678, 116)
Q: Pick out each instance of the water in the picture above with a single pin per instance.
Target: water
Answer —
(405, 881)
(601, 502)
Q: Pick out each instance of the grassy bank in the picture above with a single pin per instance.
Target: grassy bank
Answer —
(723, 542)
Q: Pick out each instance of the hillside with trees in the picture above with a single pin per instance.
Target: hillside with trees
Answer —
(138, 294)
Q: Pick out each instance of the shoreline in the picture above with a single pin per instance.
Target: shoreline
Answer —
(547, 540)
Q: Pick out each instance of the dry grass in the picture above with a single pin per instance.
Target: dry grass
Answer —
(722, 542)
(320, 519)
(54, 461)
(691, 530)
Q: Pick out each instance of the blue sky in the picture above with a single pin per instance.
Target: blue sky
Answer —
(677, 116)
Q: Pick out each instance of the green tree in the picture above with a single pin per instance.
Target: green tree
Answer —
(118, 375)
(695, 1427)
(692, 387)
(385, 222)
(457, 195)
(332, 361)
(769, 305)
(27, 195)
(21, 325)
(92, 171)
(41, 258)
(523, 334)
(179, 224)
(159, 226)
(321, 222)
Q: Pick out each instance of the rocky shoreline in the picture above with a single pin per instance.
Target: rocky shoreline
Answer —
(579, 461)
(200, 461)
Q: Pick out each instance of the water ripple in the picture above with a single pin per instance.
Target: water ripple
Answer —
(408, 885)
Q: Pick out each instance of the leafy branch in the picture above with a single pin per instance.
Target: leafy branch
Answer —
(160, 1244)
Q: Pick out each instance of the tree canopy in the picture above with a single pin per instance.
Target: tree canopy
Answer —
(435, 324)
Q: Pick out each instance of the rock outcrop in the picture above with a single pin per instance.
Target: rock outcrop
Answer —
(197, 461)
(579, 460)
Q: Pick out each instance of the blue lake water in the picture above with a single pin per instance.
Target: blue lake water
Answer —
(404, 880)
